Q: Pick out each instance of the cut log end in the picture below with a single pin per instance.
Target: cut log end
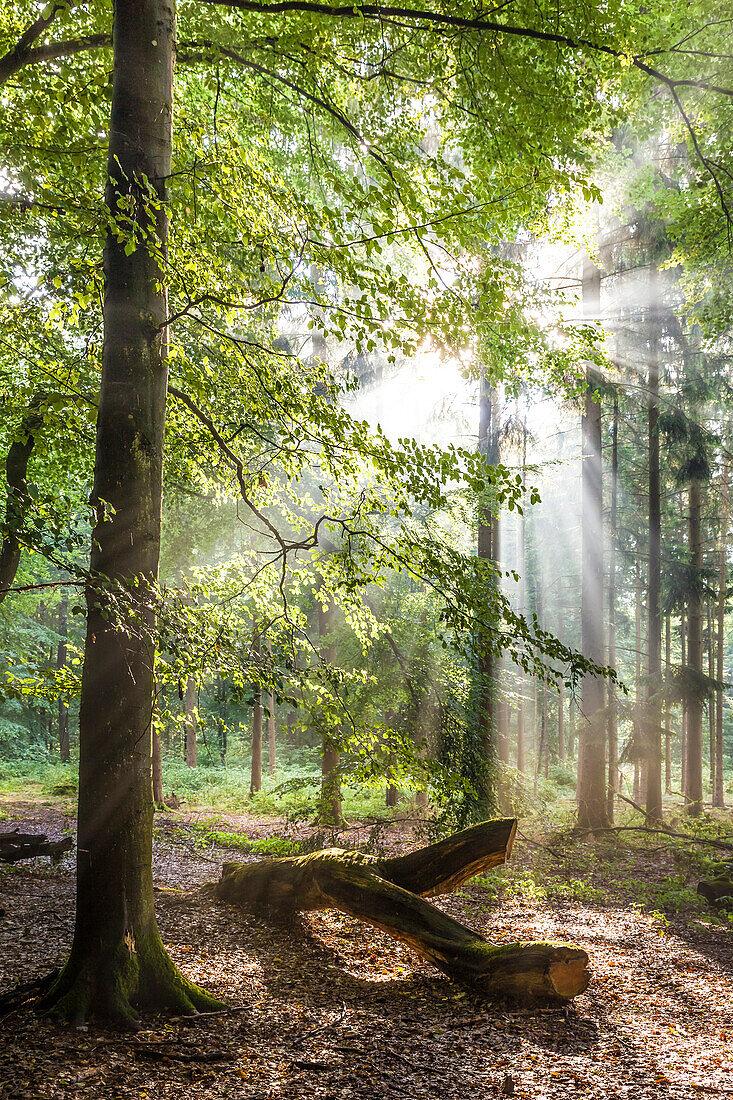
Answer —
(569, 973)
(526, 971)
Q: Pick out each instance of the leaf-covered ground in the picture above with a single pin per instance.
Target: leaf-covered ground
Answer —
(329, 1008)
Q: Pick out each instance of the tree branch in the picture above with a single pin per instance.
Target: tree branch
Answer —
(25, 53)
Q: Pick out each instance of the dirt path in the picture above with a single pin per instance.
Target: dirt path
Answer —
(332, 1009)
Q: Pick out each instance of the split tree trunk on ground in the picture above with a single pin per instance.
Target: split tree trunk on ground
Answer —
(390, 893)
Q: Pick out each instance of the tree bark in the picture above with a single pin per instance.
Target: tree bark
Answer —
(64, 744)
(694, 656)
(591, 793)
(255, 775)
(18, 500)
(486, 665)
(271, 750)
(637, 684)
(718, 790)
(653, 713)
(683, 719)
(117, 961)
(389, 894)
(711, 701)
(190, 724)
(612, 779)
(330, 811)
(667, 712)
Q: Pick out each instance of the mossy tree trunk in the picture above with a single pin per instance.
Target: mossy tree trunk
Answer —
(390, 894)
(118, 963)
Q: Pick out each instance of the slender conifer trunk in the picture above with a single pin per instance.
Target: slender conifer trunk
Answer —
(667, 712)
(718, 790)
(591, 794)
(653, 716)
(612, 779)
(694, 656)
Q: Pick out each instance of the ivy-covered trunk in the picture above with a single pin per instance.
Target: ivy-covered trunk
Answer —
(118, 962)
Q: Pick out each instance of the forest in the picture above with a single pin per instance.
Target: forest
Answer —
(366, 602)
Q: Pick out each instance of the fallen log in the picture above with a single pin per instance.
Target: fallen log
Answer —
(390, 894)
(16, 846)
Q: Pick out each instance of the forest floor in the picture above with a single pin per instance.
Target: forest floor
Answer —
(331, 1009)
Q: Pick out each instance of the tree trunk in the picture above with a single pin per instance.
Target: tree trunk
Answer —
(637, 686)
(667, 711)
(653, 713)
(330, 811)
(521, 599)
(18, 501)
(255, 777)
(157, 769)
(271, 750)
(591, 794)
(683, 720)
(561, 725)
(64, 745)
(694, 657)
(117, 960)
(389, 894)
(711, 702)
(190, 724)
(612, 779)
(718, 790)
(486, 693)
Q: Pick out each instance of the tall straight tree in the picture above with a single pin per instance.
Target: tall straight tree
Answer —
(591, 791)
(693, 791)
(117, 961)
(653, 715)
(718, 788)
(613, 777)
(487, 538)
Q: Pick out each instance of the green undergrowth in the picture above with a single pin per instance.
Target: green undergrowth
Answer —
(650, 871)
(205, 835)
(292, 792)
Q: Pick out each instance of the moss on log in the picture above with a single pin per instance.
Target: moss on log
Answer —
(390, 894)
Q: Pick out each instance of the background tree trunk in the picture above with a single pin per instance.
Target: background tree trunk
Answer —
(612, 778)
(190, 725)
(271, 749)
(694, 656)
(331, 809)
(64, 743)
(653, 714)
(255, 776)
(718, 790)
(591, 793)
